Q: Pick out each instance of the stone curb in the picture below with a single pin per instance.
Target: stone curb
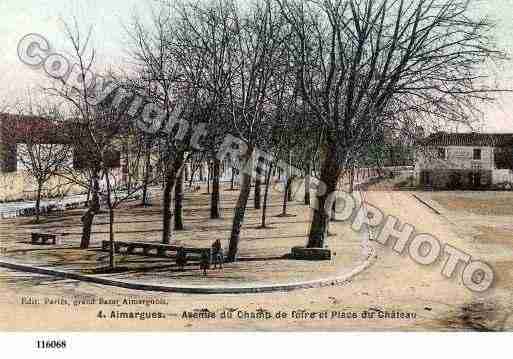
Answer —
(326, 282)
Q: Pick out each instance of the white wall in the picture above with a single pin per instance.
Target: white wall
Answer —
(501, 176)
(457, 157)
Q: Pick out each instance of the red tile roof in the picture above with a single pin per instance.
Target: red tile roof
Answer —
(473, 139)
(21, 128)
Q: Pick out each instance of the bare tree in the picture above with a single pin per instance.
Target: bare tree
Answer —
(85, 127)
(367, 65)
(41, 151)
(178, 215)
(99, 126)
(204, 32)
(232, 56)
(154, 55)
(257, 54)
(116, 191)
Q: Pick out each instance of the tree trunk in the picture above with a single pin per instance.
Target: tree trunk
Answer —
(88, 217)
(351, 179)
(307, 188)
(38, 200)
(112, 259)
(330, 173)
(290, 195)
(112, 263)
(287, 195)
(214, 200)
(266, 195)
(209, 172)
(146, 178)
(179, 202)
(88, 194)
(258, 196)
(128, 178)
(240, 208)
(167, 202)
(193, 172)
(233, 179)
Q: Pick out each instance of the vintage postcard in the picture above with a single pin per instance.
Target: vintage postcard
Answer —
(256, 165)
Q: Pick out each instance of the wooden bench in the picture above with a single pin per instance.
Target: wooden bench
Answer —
(157, 250)
(43, 238)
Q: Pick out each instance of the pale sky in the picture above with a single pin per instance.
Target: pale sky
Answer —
(21, 17)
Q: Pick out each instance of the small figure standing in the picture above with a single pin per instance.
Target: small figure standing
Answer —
(217, 253)
(181, 258)
(205, 262)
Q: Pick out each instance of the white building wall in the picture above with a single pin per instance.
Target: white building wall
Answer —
(502, 176)
(456, 157)
(461, 157)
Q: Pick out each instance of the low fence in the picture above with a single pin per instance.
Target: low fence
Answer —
(28, 208)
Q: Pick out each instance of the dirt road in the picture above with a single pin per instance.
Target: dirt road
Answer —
(394, 286)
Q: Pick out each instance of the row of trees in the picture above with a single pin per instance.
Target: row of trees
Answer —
(312, 83)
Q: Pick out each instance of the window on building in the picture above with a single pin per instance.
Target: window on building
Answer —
(441, 153)
(477, 153)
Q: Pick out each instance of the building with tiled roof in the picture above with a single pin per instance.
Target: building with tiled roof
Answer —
(471, 139)
(19, 130)
(465, 160)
